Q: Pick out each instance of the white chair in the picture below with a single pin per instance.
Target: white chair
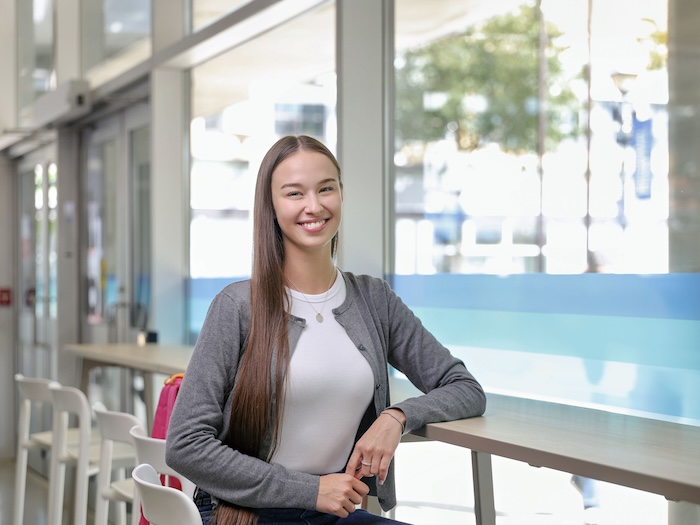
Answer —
(152, 451)
(115, 430)
(84, 454)
(31, 391)
(163, 505)
(69, 401)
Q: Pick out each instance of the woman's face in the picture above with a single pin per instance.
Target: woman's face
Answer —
(308, 201)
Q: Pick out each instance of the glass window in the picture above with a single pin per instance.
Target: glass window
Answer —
(115, 29)
(498, 121)
(546, 192)
(35, 51)
(140, 171)
(204, 12)
(101, 263)
(547, 210)
(242, 101)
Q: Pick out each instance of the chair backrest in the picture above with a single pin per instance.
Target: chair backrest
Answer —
(70, 401)
(34, 388)
(31, 389)
(114, 427)
(152, 451)
(163, 505)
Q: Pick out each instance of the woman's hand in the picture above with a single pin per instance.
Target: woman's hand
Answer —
(375, 449)
(338, 494)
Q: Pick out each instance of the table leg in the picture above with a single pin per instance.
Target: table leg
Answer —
(86, 367)
(683, 513)
(482, 476)
(148, 399)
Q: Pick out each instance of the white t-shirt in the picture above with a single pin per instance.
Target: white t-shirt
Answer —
(329, 386)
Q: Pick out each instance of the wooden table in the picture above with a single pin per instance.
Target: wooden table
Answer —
(646, 454)
(149, 358)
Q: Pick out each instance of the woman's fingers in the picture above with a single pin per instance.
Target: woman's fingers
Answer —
(338, 494)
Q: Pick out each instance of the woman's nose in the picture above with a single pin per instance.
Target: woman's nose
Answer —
(313, 204)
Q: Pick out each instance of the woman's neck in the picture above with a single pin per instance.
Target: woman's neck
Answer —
(310, 277)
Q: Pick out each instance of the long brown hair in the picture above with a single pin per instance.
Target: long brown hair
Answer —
(255, 405)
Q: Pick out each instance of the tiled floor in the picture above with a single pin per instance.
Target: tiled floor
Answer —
(36, 496)
(434, 488)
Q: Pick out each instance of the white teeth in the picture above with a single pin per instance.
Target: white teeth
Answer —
(312, 225)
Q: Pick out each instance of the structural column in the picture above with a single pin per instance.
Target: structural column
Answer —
(169, 205)
(364, 50)
(8, 121)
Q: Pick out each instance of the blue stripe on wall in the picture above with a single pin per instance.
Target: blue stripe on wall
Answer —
(668, 296)
(670, 343)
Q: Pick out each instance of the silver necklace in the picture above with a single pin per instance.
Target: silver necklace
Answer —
(319, 317)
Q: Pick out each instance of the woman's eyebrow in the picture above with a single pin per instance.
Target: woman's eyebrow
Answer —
(299, 185)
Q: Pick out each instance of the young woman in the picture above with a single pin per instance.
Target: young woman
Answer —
(284, 413)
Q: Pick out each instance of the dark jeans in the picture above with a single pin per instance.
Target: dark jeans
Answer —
(312, 517)
(296, 516)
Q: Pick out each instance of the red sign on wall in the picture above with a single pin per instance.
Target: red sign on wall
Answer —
(5, 296)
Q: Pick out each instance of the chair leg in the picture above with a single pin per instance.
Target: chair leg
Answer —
(57, 479)
(20, 485)
(120, 511)
(81, 489)
(136, 508)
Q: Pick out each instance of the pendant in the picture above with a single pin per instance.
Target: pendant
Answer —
(319, 318)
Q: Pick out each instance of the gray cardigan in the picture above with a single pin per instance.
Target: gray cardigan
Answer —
(384, 330)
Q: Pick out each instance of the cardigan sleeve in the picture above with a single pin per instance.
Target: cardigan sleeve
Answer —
(450, 391)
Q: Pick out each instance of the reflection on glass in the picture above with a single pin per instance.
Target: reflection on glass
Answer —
(35, 46)
(113, 27)
(27, 241)
(52, 201)
(140, 227)
(204, 12)
(507, 114)
(41, 286)
(101, 212)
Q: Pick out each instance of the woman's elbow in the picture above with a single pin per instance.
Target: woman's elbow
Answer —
(476, 400)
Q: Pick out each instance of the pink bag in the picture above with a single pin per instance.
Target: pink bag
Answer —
(161, 420)
(166, 402)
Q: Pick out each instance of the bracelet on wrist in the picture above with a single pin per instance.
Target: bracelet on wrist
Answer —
(392, 416)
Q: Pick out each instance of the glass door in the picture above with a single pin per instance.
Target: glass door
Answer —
(38, 304)
(37, 300)
(116, 182)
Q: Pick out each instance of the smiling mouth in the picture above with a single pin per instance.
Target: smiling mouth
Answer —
(313, 225)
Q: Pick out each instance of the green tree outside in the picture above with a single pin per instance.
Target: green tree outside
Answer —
(486, 82)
